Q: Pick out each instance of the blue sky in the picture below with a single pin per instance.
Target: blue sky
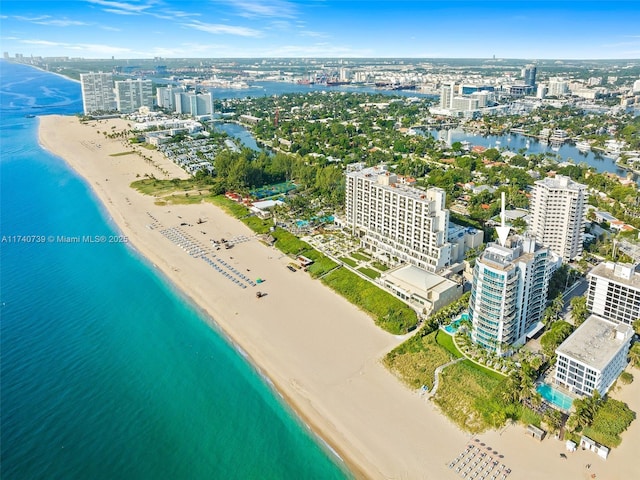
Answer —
(530, 29)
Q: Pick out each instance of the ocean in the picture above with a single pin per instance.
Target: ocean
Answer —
(107, 371)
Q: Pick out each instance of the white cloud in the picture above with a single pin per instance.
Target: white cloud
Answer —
(263, 8)
(89, 49)
(121, 8)
(218, 29)
(61, 23)
(120, 12)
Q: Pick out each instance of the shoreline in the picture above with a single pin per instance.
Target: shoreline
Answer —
(319, 353)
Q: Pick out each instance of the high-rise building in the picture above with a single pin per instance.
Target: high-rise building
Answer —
(194, 104)
(508, 292)
(446, 95)
(529, 74)
(558, 87)
(398, 221)
(133, 94)
(593, 356)
(614, 292)
(97, 92)
(557, 215)
(166, 96)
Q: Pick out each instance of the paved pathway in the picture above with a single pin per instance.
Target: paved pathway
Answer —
(437, 375)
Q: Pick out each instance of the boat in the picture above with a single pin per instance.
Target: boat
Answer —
(29, 115)
(583, 146)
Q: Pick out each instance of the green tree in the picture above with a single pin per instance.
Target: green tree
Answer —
(634, 355)
(579, 310)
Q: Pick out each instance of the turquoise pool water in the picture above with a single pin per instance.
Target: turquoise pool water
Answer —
(554, 396)
(452, 328)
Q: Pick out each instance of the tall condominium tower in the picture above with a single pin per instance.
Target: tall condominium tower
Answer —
(397, 220)
(446, 95)
(529, 74)
(614, 292)
(557, 215)
(509, 292)
(97, 92)
(166, 96)
(194, 104)
(133, 94)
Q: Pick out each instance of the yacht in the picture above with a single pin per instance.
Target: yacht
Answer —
(583, 146)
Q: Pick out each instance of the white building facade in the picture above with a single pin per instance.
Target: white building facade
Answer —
(508, 292)
(133, 94)
(97, 92)
(557, 215)
(194, 104)
(614, 292)
(593, 356)
(396, 221)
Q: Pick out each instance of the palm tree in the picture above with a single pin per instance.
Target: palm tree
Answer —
(634, 355)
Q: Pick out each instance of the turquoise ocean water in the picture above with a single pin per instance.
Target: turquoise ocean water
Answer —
(106, 371)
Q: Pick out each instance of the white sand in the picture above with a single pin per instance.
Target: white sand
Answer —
(321, 352)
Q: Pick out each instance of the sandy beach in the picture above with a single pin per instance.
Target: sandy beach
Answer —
(321, 353)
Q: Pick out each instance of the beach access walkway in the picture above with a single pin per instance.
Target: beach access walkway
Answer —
(436, 374)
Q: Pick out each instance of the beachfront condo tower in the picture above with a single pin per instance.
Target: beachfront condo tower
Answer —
(557, 215)
(396, 221)
(509, 292)
(133, 94)
(97, 92)
(614, 292)
(195, 104)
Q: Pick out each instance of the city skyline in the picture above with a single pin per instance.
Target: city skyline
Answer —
(322, 28)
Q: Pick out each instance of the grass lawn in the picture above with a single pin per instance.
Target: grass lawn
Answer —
(465, 396)
(182, 199)
(360, 256)
(159, 188)
(416, 360)
(288, 243)
(233, 208)
(369, 272)
(349, 261)
(446, 342)
(388, 311)
(321, 266)
(380, 266)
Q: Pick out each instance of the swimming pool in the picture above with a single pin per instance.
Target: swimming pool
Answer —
(452, 328)
(554, 396)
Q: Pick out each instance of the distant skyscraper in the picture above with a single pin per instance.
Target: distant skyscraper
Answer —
(509, 292)
(133, 94)
(557, 215)
(166, 96)
(97, 92)
(194, 104)
(446, 95)
(558, 87)
(529, 74)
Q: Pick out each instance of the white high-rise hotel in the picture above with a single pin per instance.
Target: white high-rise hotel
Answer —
(397, 220)
(97, 92)
(557, 215)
